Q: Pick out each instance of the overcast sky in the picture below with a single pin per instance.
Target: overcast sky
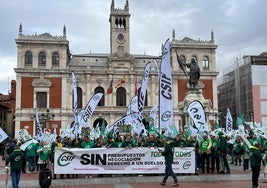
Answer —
(239, 26)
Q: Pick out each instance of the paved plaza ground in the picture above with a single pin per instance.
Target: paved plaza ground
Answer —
(237, 179)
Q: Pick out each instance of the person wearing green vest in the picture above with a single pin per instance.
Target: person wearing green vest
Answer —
(204, 150)
(238, 150)
(127, 142)
(215, 154)
(255, 162)
(54, 146)
(87, 143)
(17, 161)
(223, 148)
(31, 153)
(43, 151)
(264, 158)
(168, 156)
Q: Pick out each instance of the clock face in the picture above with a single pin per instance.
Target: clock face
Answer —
(121, 37)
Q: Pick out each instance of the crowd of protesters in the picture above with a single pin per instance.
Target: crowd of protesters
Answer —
(212, 151)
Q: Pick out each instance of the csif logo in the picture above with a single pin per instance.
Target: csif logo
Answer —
(166, 116)
(65, 158)
(17, 158)
(97, 97)
(187, 165)
(135, 116)
(164, 53)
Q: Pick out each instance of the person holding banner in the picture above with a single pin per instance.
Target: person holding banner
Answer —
(168, 155)
(54, 146)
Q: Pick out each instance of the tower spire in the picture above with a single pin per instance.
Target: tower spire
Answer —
(20, 29)
(112, 5)
(173, 34)
(212, 36)
(64, 31)
(126, 5)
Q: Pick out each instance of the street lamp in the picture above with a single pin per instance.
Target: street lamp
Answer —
(252, 117)
(47, 117)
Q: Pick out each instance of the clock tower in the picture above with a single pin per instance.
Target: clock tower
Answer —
(119, 30)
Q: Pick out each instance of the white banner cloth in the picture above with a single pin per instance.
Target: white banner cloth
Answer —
(121, 161)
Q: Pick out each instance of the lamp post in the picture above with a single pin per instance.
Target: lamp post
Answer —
(47, 117)
(252, 117)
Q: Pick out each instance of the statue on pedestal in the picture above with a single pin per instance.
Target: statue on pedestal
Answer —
(194, 73)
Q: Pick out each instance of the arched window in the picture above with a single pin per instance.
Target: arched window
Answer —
(79, 97)
(205, 63)
(139, 90)
(182, 58)
(28, 58)
(42, 59)
(55, 59)
(124, 23)
(102, 101)
(116, 23)
(194, 57)
(120, 97)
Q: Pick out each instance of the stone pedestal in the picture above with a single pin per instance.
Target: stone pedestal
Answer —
(192, 95)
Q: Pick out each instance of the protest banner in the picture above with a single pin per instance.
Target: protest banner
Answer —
(121, 161)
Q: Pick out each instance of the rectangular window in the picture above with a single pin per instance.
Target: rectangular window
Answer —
(41, 98)
(263, 92)
(264, 122)
(263, 107)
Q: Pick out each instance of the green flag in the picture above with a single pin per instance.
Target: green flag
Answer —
(240, 120)
(173, 131)
(216, 125)
(103, 128)
(188, 133)
(152, 129)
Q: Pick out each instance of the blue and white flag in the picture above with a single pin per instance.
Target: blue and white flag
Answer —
(39, 131)
(165, 89)
(85, 114)
(229, 122)
(76, 126)
(153, 115)
(142, 94)
(133, 106)
(196, 112)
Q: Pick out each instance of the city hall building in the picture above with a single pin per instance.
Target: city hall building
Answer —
(45, 64)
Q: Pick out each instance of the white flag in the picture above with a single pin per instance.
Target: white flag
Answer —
(129, 119)
(133, 106)
(39, 132)
(142, 94)
(165, 89)
(3, 135)
(153, 115)
(86, 113)
(196, 112)
(229, 122)
(75, 105)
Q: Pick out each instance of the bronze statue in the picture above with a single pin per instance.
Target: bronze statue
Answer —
(194, 73)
